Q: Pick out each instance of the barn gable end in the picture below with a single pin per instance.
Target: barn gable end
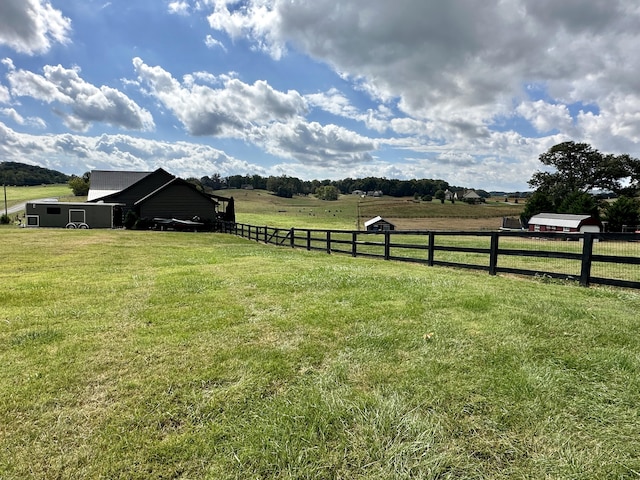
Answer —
(177, 199)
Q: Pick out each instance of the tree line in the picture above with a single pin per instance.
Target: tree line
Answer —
(579, 179)
(23, 175)
(286, 186)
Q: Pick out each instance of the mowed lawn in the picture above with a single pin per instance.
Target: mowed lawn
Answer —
(148, 355)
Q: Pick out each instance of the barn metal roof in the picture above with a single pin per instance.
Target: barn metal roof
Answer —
(471, 194)
(375, 220)
(107, 182)
(558, 219)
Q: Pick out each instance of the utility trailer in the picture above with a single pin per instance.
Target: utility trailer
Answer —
(73, 215)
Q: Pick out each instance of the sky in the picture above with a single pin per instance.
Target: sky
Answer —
(467, 91)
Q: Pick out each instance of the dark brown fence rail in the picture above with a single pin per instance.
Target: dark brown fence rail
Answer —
(589, 258)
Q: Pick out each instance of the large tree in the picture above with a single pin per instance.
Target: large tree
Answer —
(580, 167)
(539, 202)
(625, 211)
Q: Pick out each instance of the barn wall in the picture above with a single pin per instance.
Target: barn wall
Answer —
(96, 215)
(178, 201)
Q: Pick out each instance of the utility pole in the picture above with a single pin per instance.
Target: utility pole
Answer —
(4, 185)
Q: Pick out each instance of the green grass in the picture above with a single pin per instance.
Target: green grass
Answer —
(258, 207)
(167, 355)
(22, 194)
(349, 212)
(388, 207)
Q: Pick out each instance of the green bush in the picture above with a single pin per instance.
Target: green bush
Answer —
(4, 219)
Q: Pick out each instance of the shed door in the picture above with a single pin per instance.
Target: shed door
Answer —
(77, 216)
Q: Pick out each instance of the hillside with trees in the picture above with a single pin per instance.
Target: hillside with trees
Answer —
(285, 186)
(21, 174)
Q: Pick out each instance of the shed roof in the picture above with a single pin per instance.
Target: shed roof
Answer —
(559, 219)
(376, 220)
(177, 181)
(471, 194)
(108, 182)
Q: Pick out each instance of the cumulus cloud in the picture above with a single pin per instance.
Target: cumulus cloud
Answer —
(546, 117)
(5, 96)
(32, 26)
(314, 144)
(78, 153)
(179, 7)
(457, 63)
(213, 43)
(83, 103)
(226, 111)
(337, 103)
(254, 112)
(12, 114)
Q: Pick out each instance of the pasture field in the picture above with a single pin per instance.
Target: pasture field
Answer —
(22, 194)
(349, 212)
(144, 355)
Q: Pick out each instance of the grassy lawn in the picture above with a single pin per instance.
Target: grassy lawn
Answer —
(165, 355)
(22, 194)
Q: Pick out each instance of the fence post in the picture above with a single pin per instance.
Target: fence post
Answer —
(432, 238)
(328, 241)
(587, 252)
(293, 236)
(387, 245)
(493, 255)
(265, 234)
(308, 239)
(354, 246)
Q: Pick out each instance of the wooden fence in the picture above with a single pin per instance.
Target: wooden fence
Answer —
(589, 258)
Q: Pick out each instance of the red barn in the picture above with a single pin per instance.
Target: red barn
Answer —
(564, 222)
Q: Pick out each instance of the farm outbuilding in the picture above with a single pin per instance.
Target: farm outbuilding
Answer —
(73, 215)
(378, 224)
(159, 194)
(470, 196)
(157, 197)
(563, 222)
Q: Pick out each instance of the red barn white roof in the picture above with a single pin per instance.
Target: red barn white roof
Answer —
(558, 220)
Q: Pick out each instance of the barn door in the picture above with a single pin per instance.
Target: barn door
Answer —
(77, 216)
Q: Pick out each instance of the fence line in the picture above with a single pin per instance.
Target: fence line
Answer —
(549, 254)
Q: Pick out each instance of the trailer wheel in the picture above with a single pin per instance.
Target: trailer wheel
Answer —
(83, 226)
(70, 225)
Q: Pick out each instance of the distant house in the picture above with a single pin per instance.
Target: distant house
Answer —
(449, 195)
(378, 224)
(470, 196)
(563, 222)
(158, 194)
